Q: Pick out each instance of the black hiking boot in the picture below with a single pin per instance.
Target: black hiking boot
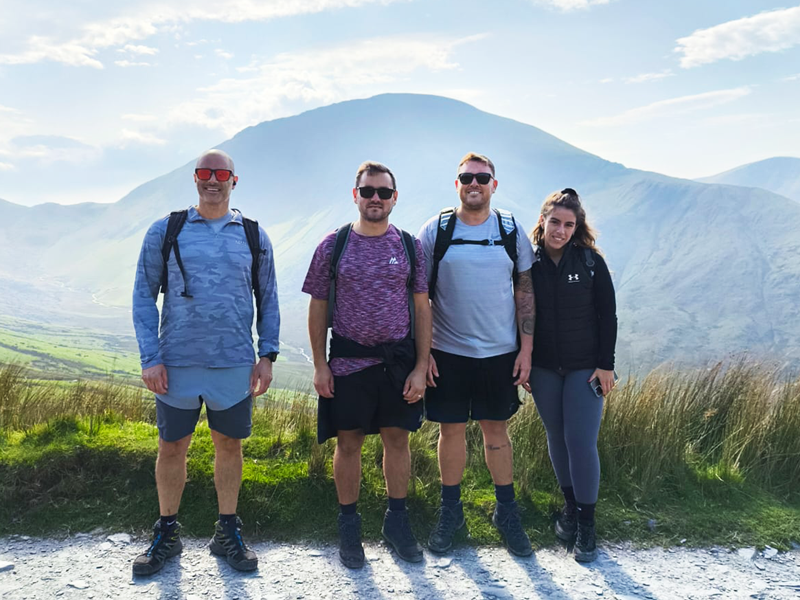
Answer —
(507, 520)
(450, 520)
(397, 532)
(567, 523)
(228, 542)
(351, 552)
(585, 543)
(166, 544)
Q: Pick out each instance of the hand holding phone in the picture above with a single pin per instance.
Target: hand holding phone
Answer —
(596, 385)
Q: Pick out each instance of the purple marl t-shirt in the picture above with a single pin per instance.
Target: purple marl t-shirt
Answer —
(371, 294)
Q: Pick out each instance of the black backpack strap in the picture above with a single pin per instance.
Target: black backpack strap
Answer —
(253, 236)
(342, 235)
(444, 237)
(508, 235)
(588, 261)
(411, 255)
(176, 220)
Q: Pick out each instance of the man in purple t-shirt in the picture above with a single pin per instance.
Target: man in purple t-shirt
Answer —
(378, 365)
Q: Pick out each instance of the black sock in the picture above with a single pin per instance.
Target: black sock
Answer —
(168, 521)
(396, 504)
(225, 519)
(586, 513)
(451, 495)
(569, 496)
(504, 493)
(348, 509)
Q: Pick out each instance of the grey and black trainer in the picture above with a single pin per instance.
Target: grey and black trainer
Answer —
(166, 544)
(228, 542)
(450, 520)
(351, 552)
(585, 543)
(397, 532)
(567, 523)
(507, 520)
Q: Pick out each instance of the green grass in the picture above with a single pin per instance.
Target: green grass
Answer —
(711, 456)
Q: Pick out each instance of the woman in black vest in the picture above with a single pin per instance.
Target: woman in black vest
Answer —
(573, 357)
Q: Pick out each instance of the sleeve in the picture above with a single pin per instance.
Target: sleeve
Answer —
(606, 307)
(269, 326)
(421, 275)
(525, 255)
(427, 239)
(145, 293)
(317, 283)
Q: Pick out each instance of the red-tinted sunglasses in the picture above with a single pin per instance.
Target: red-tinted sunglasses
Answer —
(220, 174)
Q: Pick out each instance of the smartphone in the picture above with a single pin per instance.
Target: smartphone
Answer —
(594, 383)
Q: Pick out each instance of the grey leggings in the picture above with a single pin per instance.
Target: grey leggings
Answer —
(571, 414)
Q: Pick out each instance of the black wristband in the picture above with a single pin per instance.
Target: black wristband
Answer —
(272, 356)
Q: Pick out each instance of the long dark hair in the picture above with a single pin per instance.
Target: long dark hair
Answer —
(584, 236)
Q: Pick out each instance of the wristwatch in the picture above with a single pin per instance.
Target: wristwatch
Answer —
(272, 356)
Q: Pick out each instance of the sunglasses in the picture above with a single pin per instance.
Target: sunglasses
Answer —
(384, 193)
(466, 178)
(220, 174)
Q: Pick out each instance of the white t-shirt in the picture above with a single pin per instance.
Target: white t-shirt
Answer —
(474, 313)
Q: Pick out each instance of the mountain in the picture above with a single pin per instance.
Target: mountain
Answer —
(701, 270)
(780, 175)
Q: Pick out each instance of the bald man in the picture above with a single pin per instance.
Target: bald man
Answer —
(208, 261)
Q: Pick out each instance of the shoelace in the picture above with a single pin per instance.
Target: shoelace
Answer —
(513, 525)
(447, 521)
(405, 528)
(350, 534)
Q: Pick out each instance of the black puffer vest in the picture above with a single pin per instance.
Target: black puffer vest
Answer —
(566, 334)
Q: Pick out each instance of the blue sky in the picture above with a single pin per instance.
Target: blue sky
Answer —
(97, 97)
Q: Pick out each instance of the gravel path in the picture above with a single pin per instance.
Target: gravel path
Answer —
(99, 566)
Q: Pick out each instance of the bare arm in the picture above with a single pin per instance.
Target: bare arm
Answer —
(526, 317)
(317, 335)
(415, 382)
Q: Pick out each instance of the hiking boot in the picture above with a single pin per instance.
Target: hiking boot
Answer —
(351, 552)
(166, 544)
(228, 542)
(397, 532)
(567, 523)
(507, 520)
(585, 543)
(450, 520)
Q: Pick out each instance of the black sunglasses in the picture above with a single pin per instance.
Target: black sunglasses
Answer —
(466, 178)
(384, 193)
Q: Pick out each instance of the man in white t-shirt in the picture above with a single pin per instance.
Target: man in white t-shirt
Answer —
(483, 318)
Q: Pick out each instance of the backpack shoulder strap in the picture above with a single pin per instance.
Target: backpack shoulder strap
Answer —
(176, 220)
(411, 256)
(588, 261)
(444, 236)
(253, 236)
(508, 233)
(342, 235)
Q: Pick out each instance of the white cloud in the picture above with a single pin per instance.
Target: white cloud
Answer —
(607, 80)
(127, 63)
(313, 78)
(139, 118)
(673, 106)
(645, 77)
(567, 5)
(139, 49)
(770, 31)
(4, 166)
(222, 53)
(148, 19)
(140, 137)
(791, 77)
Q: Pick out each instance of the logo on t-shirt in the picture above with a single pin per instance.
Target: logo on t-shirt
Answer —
(393, 261)
(572, 278)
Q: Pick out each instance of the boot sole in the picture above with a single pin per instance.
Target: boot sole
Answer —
(245, 565)
(586, 557)
(412, 558)
(352, 564)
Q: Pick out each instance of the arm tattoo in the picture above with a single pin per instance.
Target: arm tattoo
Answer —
(525, 301)
(500, 447)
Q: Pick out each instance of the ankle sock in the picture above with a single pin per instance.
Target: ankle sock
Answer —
(168, 521)
(348, 509)
(396, 504)
(586, 513)
(504, 493)
(451, 495)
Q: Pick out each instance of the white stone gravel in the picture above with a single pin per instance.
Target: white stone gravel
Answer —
(99, 567)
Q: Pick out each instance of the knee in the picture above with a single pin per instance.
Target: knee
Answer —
(227, 445)
(349, 445)
(452, 431)
(173, 450)
(494, 430)
(395, 441)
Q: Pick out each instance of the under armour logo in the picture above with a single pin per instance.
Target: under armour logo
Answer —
(572, 278)
(393, 261)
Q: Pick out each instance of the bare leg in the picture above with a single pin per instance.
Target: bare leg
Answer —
(396, 461)
(227, 471)
(347, 465)
(171, 473)
(497, 449)
(452, 452)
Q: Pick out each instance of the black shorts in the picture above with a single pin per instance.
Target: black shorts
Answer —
(176, 423)
(472, 388)
(366, 400)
